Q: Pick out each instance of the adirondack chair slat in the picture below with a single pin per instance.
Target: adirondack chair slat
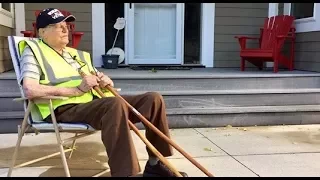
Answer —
(275, 31)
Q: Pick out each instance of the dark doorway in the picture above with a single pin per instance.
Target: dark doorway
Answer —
(192, 34)
(112, 12)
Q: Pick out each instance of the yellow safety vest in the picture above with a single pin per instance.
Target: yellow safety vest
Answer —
(58, 72)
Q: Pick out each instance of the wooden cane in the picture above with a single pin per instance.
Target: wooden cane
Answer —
(157, 131)
(135, 129)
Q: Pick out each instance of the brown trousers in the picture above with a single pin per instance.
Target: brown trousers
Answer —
(110, 115)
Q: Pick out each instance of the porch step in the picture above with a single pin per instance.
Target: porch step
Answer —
(7, 104)
(197, 82)
(205, 97)
(242, 98)
(247, 109)
(211, 98)
(11, 115)
(244, 116)
(213, 117)
(10, 120)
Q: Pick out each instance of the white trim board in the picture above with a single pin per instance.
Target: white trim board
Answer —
(305, 24)
(98, 33)
(20, 18)
(207, 34)
(272, 11)
(6, 17)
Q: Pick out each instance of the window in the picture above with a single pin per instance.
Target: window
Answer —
(6, 14)
(307, 16)
(302, 10)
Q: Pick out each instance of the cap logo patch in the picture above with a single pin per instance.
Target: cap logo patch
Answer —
(55, 13)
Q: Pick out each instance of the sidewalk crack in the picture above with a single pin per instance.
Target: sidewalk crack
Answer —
(227, 153)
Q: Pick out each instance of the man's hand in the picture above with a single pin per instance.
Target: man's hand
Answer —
(104, 80)
(88, 82)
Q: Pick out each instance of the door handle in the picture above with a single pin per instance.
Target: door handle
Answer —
(130, 5)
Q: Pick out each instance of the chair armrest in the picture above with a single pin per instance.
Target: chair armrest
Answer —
(245, 37)
(76, 38)
(243, 40)
(77, 33)
(27, 33)
(291, 37)
(41, 98)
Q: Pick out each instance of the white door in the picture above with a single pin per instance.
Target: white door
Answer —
(155, 33)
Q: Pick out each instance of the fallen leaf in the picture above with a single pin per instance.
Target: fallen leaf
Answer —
(207, 149)
(153, 70)
(216, 129)
(244, 129)
(36, 132)
(229, 126)
(294, 143)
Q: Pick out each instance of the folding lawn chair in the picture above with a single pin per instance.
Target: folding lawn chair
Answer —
(32, 119)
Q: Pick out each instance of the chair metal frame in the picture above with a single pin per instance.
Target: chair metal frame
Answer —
(79, 129)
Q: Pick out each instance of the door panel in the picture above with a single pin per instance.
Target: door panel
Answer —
(155, 33)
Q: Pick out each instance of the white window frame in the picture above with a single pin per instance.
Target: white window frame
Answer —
(7, 17)
(306, 24)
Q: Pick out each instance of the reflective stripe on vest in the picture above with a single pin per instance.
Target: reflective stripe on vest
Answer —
(51, 76)
(50, 63)
(59, 73)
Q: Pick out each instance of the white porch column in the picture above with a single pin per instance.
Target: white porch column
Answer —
(20, 18)
(286, 8)
(207, 34)
(98, 33)
(273, 11)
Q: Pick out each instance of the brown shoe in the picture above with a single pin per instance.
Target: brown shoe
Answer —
(159, 170)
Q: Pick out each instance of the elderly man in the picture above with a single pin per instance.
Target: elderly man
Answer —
(49, 68)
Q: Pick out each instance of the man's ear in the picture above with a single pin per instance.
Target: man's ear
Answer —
(41, 32)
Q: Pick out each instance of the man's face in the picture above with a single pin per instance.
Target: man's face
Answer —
(57, 34)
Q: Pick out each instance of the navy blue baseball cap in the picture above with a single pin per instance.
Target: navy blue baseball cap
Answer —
(51, 16)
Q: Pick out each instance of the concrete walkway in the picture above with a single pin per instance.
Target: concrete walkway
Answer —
(230, 151)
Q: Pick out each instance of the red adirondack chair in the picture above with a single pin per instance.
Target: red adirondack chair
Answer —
(275, 31)
(75, 36)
